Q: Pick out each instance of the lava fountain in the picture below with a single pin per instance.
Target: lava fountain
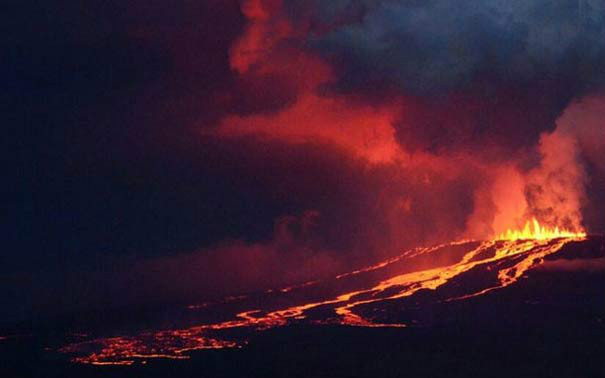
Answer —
(533, 230)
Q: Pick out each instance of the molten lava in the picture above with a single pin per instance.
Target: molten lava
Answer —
(533, 230)
(358, 302)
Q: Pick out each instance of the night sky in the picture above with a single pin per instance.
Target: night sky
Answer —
(170, 150)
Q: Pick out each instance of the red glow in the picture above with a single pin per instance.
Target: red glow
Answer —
(174, 344)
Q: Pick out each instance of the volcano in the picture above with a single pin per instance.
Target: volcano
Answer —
(297, 188)
(512, 305)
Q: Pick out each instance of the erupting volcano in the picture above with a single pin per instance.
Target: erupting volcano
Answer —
(515, 284)
(303, 188)
(362, 298)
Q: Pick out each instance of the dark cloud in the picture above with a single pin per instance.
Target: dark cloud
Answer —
(429, 47)
(500, 117)
(472, 73)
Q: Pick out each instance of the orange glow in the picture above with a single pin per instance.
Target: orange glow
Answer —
(508, 260)
(533, 230)
(365, 130)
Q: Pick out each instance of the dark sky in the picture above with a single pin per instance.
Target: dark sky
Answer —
(174, 150)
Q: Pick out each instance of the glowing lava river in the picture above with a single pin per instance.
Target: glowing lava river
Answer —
(437, 274)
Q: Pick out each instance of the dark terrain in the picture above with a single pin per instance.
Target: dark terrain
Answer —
(548, 324)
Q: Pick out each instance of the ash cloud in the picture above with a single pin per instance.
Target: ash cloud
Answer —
(497, 78)
(429, 47)
(482, 72)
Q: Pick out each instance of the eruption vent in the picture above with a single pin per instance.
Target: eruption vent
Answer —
(533, 230)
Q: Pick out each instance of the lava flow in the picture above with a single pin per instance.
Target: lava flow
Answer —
(506, 259)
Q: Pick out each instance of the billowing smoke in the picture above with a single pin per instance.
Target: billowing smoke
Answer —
(221, 146)
(552, 190)
(403, 82)
(555, 189)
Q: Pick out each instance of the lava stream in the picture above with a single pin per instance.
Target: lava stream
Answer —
(524, 251)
